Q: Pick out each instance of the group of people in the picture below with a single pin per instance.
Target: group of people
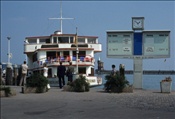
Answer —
(61, 72)
(58, 59)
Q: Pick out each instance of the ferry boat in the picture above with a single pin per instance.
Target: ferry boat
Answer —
(59, 47)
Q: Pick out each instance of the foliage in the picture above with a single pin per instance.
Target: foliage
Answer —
(39, 81)
(6, 89)
(115, 83)
(80, 84)
(167, 79)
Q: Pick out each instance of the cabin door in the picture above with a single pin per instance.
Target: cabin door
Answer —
(92, 71)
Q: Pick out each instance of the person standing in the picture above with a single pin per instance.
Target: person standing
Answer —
(113, 72)
(24, 73)
(46, 74)
(60, 73)
(69, 72)
(45, 71)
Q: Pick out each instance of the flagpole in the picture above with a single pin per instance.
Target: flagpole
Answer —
(77, 51)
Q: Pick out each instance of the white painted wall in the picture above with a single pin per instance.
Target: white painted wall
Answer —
(31, 47)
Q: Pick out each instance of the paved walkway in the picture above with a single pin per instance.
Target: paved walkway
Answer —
(95, 104)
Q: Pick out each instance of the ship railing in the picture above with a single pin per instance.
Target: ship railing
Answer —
(89, 60)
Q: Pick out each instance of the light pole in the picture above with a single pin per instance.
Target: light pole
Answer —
(9, 66)
(77, 51)
(26, 42)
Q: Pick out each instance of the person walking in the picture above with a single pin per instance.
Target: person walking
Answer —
(60, 73)
(69, 72)
(24, 73)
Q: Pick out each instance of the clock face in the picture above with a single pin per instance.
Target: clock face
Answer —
(137, 23)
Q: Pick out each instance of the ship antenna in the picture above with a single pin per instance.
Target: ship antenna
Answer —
(61, 18)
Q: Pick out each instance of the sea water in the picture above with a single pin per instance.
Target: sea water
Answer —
(151, 82)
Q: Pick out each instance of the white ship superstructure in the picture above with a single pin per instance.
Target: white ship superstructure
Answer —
(63, 48)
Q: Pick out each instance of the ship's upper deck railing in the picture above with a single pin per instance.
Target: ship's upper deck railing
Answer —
(82, 60)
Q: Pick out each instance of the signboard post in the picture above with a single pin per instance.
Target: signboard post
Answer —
(138, 44)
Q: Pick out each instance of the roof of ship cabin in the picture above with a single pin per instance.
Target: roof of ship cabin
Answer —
(44, 37)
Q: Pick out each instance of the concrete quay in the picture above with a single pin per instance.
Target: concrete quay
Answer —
(95, 104)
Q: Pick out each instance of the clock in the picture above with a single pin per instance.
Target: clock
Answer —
(137, 23)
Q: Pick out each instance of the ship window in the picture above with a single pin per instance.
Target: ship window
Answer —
(49, 46)
(80, 54)
(91, 40)
(80, 45)
(81, 40)
(47, 40)
(65, 53)
(42, 41)
(74, 53)
(32, 41)
(71, 40)
(54, 39)
(63, 39)
(51, 55)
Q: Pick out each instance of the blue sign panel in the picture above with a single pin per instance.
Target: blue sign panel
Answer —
(137, 43)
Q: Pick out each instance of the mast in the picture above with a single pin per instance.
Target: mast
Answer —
(61, 18)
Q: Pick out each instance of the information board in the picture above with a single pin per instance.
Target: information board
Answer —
(145, 44)
(119, 43)
(156, 44)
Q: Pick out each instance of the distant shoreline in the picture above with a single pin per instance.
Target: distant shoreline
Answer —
(151, 72)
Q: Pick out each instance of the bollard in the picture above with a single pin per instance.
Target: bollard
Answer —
(122, 70)
(9, 74)
(19, 75)
(15, 74)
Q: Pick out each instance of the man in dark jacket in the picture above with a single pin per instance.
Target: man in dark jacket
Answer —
(60, 73)
(70, 72)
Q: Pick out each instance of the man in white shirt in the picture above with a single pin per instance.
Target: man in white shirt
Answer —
(45, 73)
(24, 73)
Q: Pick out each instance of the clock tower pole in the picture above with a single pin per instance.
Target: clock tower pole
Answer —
(137, 26)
